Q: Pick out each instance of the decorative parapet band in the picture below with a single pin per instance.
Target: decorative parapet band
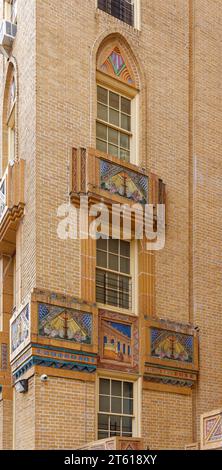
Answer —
(60, 359)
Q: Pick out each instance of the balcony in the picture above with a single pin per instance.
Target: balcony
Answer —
(104, 178)
(121, 9)
(11, 205)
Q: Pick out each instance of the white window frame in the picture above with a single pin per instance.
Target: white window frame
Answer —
(8, 11)
(134, 282)
(11, 135)
(137, 14)
(134, 118)
(137, 400)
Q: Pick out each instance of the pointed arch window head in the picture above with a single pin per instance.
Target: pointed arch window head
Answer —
(11, 119)
(12, 95)
(116, 66)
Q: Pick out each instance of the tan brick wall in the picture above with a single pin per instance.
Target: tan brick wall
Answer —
(24, 418)
(65, 413)
(57, 109)
(166, 420)
(207, 239)
(6, 421)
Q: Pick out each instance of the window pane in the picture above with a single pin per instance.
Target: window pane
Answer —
(100, 275)
(112, 136)
(128, 389)
(113, 262)
(104, 387)
(101, 259)
(102, 95)
(101, 244)
(104, 403)
(103, 422)
(125, 265)
(100, 295)
(102, 146)
(124, 284)
(112, 281)
(124, 301)
(101, 131)
(116, 405)
(113, 245)
(125, 122)
(111, 298)
(124, 155)
(116, 386)
(102, 435)
(115, 422)
(124, 248)
(102, 112)
(124, 141)
(114, 117)
(114, 100)
(127, 406)
(127, 425)
(125, 105)
(113, 150)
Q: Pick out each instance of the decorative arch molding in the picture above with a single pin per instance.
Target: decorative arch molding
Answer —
(103, 46)
(115, 56)
(10, 73)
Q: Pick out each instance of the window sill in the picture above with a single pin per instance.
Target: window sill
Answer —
(112, 18)
(112, 308)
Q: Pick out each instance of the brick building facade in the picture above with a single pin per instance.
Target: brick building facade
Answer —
(120, 101)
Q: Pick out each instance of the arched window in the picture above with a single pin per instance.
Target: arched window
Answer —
(9, 118)
(10, 13)
(117, 103)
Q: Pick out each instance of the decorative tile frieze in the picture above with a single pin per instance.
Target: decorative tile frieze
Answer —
(171, 345)
(122, 181)
(57, 358)
(118, 341)
(65, 324)
(211, 430)
(20, 329)
(3, 356)
(171, 353)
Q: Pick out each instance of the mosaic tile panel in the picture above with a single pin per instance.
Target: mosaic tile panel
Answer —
(126, 183)
(115, 65)
(4, 356)
(20, 329)
(64, 324)
(213, 428)
(171, 345)
(118, 341)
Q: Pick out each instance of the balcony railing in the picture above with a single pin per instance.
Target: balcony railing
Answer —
(121, 9)
(11, 205)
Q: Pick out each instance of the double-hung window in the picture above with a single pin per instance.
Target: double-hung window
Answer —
(121, 9)
(113, 273)
(116, 408)
(113, 128)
